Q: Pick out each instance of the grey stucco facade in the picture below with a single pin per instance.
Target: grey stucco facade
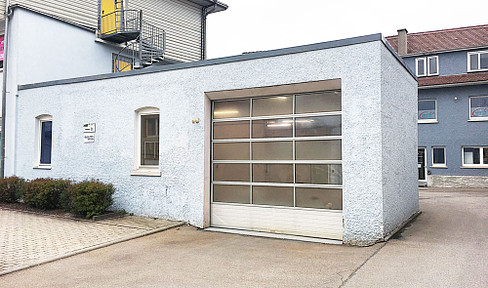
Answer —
(378, 158)
(453, 129)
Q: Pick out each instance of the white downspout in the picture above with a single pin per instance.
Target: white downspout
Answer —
(4, 92)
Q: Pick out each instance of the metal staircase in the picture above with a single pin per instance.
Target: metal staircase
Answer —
(144, 43)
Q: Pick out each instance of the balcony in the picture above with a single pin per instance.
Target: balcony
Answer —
(121, 26)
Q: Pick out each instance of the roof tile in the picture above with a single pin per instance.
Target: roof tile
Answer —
(447, 39)
(452, 79)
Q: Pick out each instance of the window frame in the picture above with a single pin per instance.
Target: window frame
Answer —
(38, 137)
(439, 165)
(139, 169)
(481, 165)
(469, 110)
(478, 53)
(426, 66)
(428, 120)
(417, 60)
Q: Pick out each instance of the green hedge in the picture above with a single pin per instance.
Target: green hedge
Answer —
(11, 189)
(45, 193)
(87, 198)
(90, 198)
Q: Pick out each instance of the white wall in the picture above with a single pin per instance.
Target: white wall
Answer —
(180, 95)
(43, 49)
(399, 142)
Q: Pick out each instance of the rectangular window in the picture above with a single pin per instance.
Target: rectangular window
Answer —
(149, 139)
(427, 66)
(475, 157)
(427, 111)
(439, 156)
(420, 67)
(478, 61)
(478, 108)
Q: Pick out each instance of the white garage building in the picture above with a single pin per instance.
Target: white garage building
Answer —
(316, 141)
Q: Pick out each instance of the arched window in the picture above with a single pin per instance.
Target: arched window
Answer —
(147, 142)
(44, 133)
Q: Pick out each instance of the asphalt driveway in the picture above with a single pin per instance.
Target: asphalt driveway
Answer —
(446, 246)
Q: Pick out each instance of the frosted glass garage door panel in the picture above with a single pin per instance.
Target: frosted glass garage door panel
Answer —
(272, 128)
(231, 109)
(231, 172)
(272, 106)
(327, 101)
(311, 223)
(231, 130)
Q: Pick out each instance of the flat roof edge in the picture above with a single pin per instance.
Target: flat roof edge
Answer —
(216, 61)
(399, 58)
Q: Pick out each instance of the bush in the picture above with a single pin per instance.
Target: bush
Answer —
(11, 189)
(90, 198)
(45, 193)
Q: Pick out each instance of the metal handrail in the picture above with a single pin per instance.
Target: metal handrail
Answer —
(148, 48)
(121, 21)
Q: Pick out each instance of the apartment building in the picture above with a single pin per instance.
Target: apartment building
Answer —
(452, 70)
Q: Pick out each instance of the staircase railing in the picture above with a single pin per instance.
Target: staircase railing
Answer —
(121, 21)
(145, 50)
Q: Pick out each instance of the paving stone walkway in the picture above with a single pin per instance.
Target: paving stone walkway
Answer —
(28, 239)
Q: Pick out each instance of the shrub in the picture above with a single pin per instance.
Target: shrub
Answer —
(45, 193)
(11, 189)
(90, 198)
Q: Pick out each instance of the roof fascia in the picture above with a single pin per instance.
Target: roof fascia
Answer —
(224, 60)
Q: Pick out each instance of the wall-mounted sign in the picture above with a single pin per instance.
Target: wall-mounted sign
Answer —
(89, 137)
(1, 48)
(89, 128)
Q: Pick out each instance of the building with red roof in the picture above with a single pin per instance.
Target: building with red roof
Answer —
(452, 70)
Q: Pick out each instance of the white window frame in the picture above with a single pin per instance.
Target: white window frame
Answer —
(37, 152)
(469, 110)
(428, 120)
(426, 66)
(478, 59)
(439, 165)
(139, 169)
(481, 165)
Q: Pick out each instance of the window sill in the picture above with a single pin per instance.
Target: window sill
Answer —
(151, 172)
(479, 70)
(475, 167)
(427, 121)
(478, 120)
(438, 166)
(427, 75)
(42, 167)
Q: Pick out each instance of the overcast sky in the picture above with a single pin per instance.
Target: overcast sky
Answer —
(256, 25)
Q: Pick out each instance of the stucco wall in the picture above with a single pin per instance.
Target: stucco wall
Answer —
(41, 49)
(453, 129)
(399, 142)
(179, 94)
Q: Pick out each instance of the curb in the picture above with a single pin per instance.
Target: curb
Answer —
(95, 247)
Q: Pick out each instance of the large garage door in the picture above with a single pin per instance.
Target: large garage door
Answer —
(276, 164)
